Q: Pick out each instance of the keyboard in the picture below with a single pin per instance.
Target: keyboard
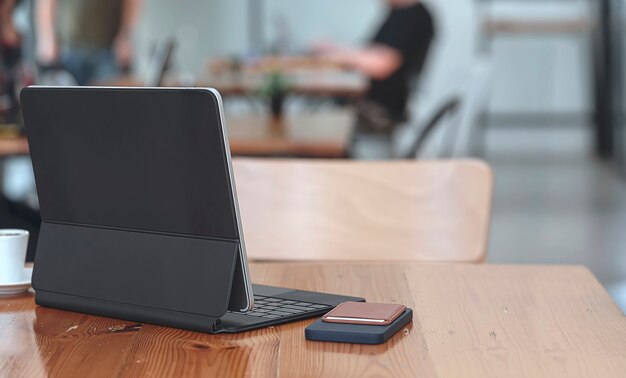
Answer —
(275, 308)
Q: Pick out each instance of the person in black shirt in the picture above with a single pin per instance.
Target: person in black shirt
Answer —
(408, 30)
(395, 55)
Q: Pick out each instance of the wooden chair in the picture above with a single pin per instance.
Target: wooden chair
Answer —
(453, 130)
(446, 112)
(348, 210)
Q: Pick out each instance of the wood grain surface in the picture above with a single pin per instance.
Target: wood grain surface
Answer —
(347, 210)
(323, 134)
(469, 320)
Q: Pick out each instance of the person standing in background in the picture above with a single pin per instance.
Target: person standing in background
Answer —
(10, 58)
(9, 36)
(394, 56)
(91, 39)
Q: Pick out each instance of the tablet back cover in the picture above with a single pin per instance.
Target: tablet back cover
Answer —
(134, 189)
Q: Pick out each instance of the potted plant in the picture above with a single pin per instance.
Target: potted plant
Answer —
(275, 91)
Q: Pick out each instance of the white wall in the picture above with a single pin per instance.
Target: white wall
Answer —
(541, 73)
(202, 28)
(205, 28)
(453, 52)
(343, 21)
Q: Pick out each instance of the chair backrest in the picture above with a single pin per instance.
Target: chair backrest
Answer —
(448, 111)
(160, 63)
(450, 131)
(476, 95)
(354, 210)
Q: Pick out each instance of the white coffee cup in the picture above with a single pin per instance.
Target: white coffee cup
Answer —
(13, 244)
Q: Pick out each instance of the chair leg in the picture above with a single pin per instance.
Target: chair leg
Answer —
(371, 147)
(479, 136)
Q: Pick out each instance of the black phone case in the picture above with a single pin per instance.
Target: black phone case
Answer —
(356, 333)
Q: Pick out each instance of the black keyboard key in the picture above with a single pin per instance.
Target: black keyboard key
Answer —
(272, 308)
(290, 310)
(299, 308)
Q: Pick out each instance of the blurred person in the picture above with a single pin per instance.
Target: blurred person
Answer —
(10, 58)
(9, 36)
(394, 56)
(91, 39)
(14, 212)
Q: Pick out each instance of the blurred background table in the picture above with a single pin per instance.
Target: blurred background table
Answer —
(300, 75)
(305, 135)
(303, 83)
(324, 134)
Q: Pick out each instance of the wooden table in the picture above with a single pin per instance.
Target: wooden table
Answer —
(469, 320)
(306, 75)
(323, 134)
(348, 210)
(309, 83)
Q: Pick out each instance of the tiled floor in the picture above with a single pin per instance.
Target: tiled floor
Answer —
(555, 203)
